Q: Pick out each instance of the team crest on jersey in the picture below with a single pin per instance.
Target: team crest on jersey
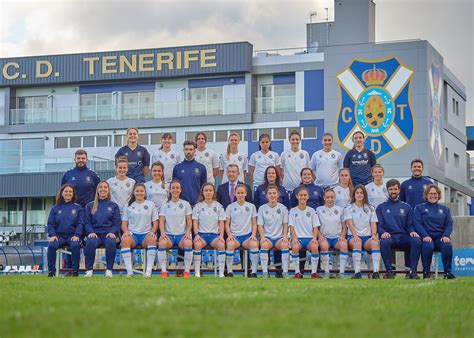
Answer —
(308, 214)
(375, 98)
(181, 206)
(202, 209)
(270, 157)
(239, 158)
(73, 211)
(301, 156)
(215, 209)
(88, 179)
(333, 156)
(145, 207)
(73, 178)
(409, 187)
(440, 211)
(172, 156)
(206, 154)
(278, 211)
(247, 209)
(182, 171)
(336, 212)
(139, 153)
(60, 212)
(196, 170)
(402, 211)
(109, 208)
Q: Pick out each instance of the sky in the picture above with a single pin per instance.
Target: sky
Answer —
(34, 27)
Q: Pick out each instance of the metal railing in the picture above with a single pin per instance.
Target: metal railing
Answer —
(15, 218)
(40, 164)
(276, 104)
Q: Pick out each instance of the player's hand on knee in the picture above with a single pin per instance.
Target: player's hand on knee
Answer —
(386, 235)
(92, 235)
(75, 238)
(111, 235)
(445, 239)
(53, 238)
(414, 234)
(427, 239)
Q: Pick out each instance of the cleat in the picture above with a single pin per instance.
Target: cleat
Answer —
(369, 275)
(449, 275)
(389, 275)
(327, 275)
(130, 274)
(222, 276)
(413, 275)
(357, 275)
(51, 274)
(278, 274)
(230, 274)
(284, 275)
(332, 275)
(407, 275)
(198, 275)
(186, 275)
(426, 275)
(75, 274)
(147, 274)
(179, 273)
(340, 276)
(253, 275)
(298, 276)
(375, 275)
(265, 275)
(315, 275)
(88, 274)
(108, 273)
(164, 274)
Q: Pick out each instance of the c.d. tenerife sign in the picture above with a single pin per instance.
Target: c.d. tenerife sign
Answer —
(375, 99)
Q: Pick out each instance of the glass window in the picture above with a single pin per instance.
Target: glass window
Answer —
(214, 101)
(118, 142)
(37, 204)
(245, 135)
(104, 106)
(88, 141)
(189, 135)
(267, 131)
(279, 133)
(102, 141)
(147, 104)
(155, 138)
(456, 160)
(60, 142)
(197, 101)
(10, 155)
(75, 142)
(143, 139)
(254, 134)
(221, 135)
(32, 154)
(309, 132)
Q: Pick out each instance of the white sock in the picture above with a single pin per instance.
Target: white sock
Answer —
(127, 259)
(314, 262)
(264, 260)
(285, 260)
(197, 262)
(221, 260)
(162, 257)
(356, 257)
(150, 258)
(188, 259)
(376, 260)
(230, 260)
(295, 257)
(325, 261)
(343, 261)
(254, 260)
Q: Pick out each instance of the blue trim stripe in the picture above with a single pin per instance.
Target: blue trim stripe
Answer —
(227, 253)
(356, 251)
(295, 255)
(375, 251)
(344, 253)
(126, 250)
(221, 253)
(198, 253)
(314, 255)
(161, 249)
(285, 251)
(324, 253)
(254, 252)
(188, 250)
(264, 251)
(151, 247)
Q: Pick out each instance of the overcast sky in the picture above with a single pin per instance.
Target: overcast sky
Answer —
(34, 27)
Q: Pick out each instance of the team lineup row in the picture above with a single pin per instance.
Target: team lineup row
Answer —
(343, 218)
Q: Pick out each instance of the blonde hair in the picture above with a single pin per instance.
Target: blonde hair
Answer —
(96, 199)
(427, 190)
(228, 144)
(132, 128)
(349, 183)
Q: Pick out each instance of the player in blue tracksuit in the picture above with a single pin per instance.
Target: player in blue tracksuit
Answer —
(65, 227)
(360, 160)
(412, 190)
(272, 177)
(190, 173)
(83, 179)
(396, 230)
(102, 223)
(315, 191)
(137, 155)
(434, 224)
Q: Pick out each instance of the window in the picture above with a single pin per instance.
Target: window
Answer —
(143, 139)
(10, 155)
(102, 141)
(155, 138)
(31, 109)
(279, 134)
(206, 101)
(309, 132)
(456, 160)
(75, 142)
(118, 140)
(457, 108)
(447, 154)
(88, 141)
(254, 134)
(37, 204)
(221, 135)
(138, 105)
(61, 142)
(267, 131)
(277, 98)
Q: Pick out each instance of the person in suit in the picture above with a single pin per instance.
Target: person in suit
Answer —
(226, 191)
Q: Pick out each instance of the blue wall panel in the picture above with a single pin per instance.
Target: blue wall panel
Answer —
(314, 90)
(284, 78)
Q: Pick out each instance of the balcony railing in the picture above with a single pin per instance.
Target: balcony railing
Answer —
(40, 164)
(276, 104)
(169, 109)
(15, 218)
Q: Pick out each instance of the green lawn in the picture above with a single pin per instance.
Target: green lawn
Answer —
(37, 306)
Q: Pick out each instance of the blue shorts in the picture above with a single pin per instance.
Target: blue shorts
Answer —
(138, 238)
(305, 242)
(273, 240)
(364, 239)
(332, 242)
(175, 239)
(208, 237)
(241, 239)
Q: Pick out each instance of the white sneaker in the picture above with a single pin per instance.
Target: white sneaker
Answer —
(108, 273)
(129, 274)
(147, 274)
(88, 273)
(221, 276)
(197, 274)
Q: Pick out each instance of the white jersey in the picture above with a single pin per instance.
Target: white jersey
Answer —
(342, 196)
(121, 191)
(240, 159)
(377, 194)
(175, 216)
(292, 163)
(209, 216)
(261, 162)
(241, 217)
(208, 158)
(327, 165)
(156, 193)
(303, 221)
(140, 216)
(361, 218)
(331, 221)
(272, 219)
(169, 160)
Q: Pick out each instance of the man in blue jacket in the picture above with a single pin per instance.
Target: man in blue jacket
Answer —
(396, 230)
(412, 190)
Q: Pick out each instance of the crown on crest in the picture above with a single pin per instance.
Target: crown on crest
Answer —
(374, 76)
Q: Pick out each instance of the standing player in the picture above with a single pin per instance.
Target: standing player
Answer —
(137, 155)
(412, 190)
(207, 157)
(121, 186)
(241, 229)
(326, 163)
(361, 220)
(304, 224)
(434, 224)
(139, 227)
(332, 233)
(83, 179)
(271, 178)
(261, 160)
(233, 156)
(156, 189)
(167, 156)
(292, 161)
(376, 189)
(208, 227)
(343, 190)
(102, 222)
(360, 160)
(315, 192)
(175, 229)
(65, 227)
(272, 221)
(396, 230)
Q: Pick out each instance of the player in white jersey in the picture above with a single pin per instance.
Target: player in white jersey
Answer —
(156, 188)
(361, 220)
(206, 157)
(167, 156)
(241, 229)
(261, 160)
(233, 156)
(304, 224)
(175, 229)
(326, 163)
(332, 232)
(376, 190)
(121, 186)
(293, 161)
(272, 221)
(139, 227)
(343, 189)
(208, 227)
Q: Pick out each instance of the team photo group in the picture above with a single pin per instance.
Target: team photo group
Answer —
(288, 203)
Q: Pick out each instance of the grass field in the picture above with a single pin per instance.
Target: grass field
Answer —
(37, 306)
